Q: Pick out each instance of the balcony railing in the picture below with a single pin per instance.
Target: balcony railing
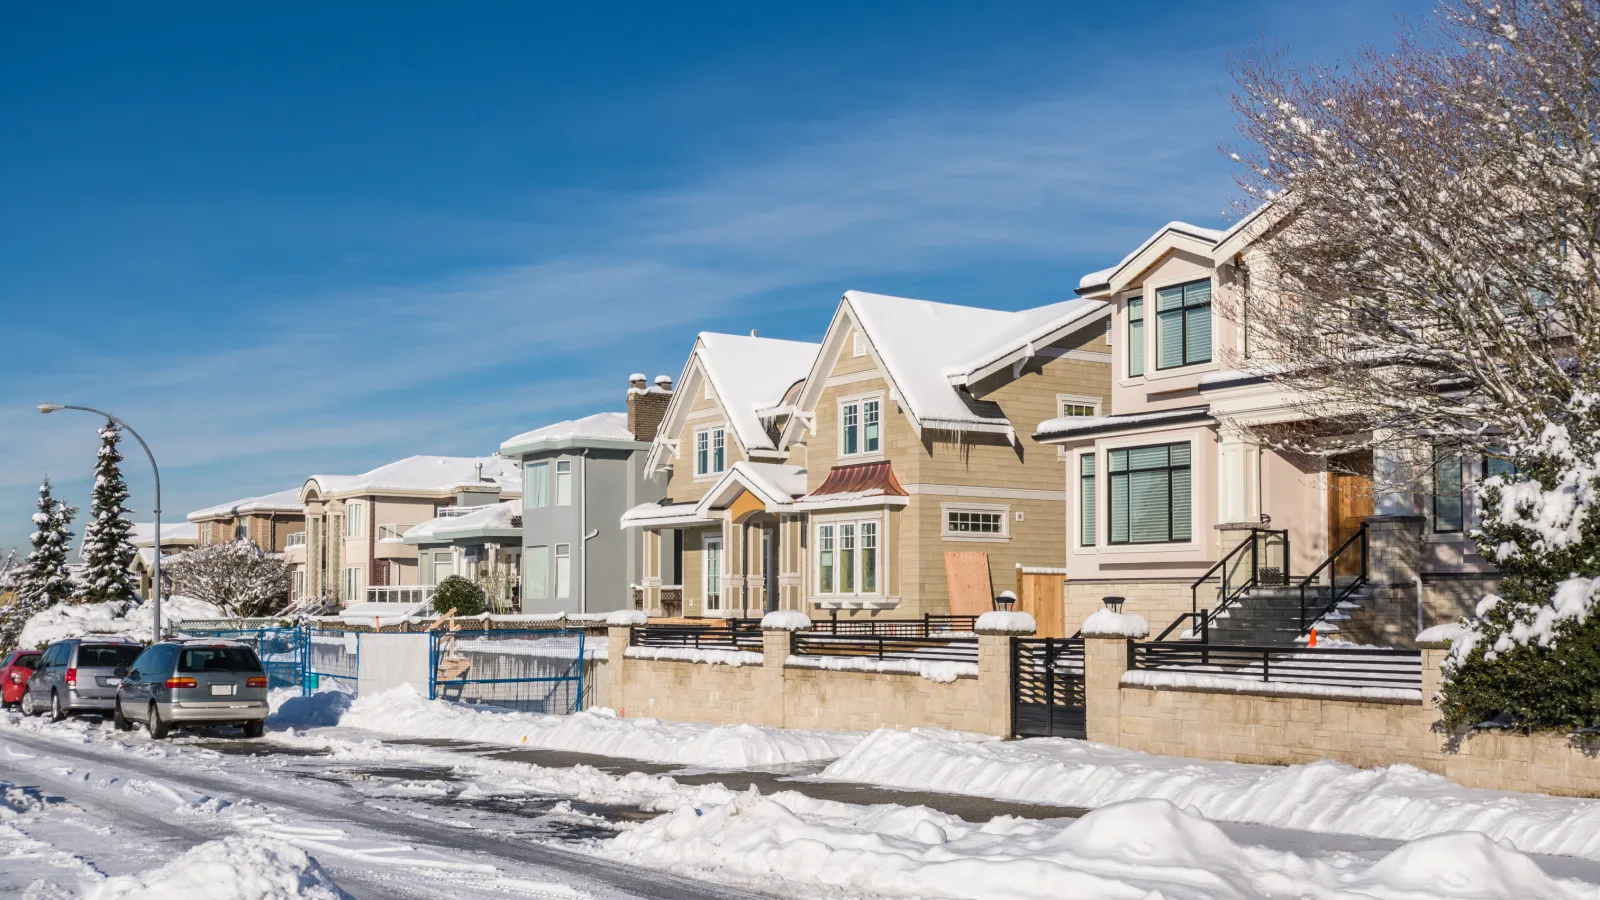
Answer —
(298, 539)
(451, 512)
(392, 532)
(404, 593)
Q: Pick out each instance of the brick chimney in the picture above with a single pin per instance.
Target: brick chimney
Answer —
(647, 405)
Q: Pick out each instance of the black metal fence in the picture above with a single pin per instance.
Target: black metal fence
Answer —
(1047, 687)
(1347, 667)
(734, 636)
(930, 625)
(884, 646)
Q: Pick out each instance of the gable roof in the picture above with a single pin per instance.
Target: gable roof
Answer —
(747, 374)
(1034, 329)
(429, 476)
(607, 429)
(283, 501)
(1160, 242)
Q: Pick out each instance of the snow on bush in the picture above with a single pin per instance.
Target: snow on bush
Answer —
(237, 576)
(404, 712)
(68, 620)
(1105, 623)
(1135, 849)
(786, 620)
(1398, 802)
(625, 617)
(234, 868)
(998, 622)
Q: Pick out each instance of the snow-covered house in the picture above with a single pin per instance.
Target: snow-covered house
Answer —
(885, 469)
(176, 537)
(269, 521)
(1171, 483)
(481, 543)
(579, 476)
(354, 545)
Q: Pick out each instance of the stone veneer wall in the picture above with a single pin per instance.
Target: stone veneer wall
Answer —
(772, 693)
(1275, 729)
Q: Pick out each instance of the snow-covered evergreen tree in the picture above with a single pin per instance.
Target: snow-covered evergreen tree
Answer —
(108, 549)
(44, 581)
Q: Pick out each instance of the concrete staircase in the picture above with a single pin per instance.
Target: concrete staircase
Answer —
(1271, 614)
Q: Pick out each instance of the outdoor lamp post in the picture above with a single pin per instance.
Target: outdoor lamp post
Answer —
(1005, 601)
(1114, 603)
(155, 618)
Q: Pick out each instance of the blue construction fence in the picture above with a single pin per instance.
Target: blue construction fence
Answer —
(544, 671)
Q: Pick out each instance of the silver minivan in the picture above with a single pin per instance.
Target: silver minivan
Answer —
(79, 675)
(203, 681)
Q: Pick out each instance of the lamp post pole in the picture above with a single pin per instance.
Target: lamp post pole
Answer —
(155, 569)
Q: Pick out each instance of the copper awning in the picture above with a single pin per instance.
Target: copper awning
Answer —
(857, 479)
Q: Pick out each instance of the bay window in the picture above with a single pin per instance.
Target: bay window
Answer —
(849, 562)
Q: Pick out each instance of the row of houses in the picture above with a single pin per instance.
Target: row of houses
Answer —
(920, 459)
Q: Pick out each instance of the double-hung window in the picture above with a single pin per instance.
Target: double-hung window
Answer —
(352, 520)
(1135, 336)
(860, 426)
(1086, 506)
(1151, 494)
(352, 585)
(563, 482)
(1448, 508)
(537, 485)
(1183, 324)
(563, 571)
(710, 451)
(849, 562)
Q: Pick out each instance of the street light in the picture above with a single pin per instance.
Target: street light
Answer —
(155, 617)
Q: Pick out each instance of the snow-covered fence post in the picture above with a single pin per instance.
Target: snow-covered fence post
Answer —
(1107, 641)
(995, 631)
(619, 636)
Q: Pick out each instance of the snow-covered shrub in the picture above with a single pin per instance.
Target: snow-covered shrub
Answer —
(459, 594)
(237, 576)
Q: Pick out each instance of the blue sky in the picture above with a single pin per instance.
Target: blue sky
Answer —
(290, 239)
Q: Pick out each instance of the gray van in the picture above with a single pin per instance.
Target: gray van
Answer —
(79, 675)
(203, 681)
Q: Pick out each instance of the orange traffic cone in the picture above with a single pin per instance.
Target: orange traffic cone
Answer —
(1313, 641)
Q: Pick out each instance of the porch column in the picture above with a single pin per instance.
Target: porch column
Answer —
(1238, 478)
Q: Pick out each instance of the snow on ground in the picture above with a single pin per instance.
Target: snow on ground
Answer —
(1137, 850)
(234, 868)
(68, 620)
(406, 713)
(1399, 802)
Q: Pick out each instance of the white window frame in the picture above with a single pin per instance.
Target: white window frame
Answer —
(1064, 400)
(880, 525)
(354, 585)
(536, 484)
(1075, 478)
(859, 402)
(563, 491)
(299, 583)
(563, 571)
(1003, 509)
(706, 573)
(711, 432)
(352, 519)
(536, 588)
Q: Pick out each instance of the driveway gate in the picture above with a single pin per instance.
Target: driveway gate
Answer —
(1047, 687)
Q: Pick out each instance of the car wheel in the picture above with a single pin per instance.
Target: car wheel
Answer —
(118, 719)
(158, 728)
(255, 728)
(28, 709)
(56, 714)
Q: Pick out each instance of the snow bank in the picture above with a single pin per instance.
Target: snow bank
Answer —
(1399, 802)
(735, 658)
(68, 620)
(1245, 684)
(1132, 850)
(998, 622)
(404, 712)
(321, 709)
(234, 868)
(627, 617)
(943, 671)
(786, 620)
(1105, 623)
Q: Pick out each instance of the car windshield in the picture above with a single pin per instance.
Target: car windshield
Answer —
(218, 659)
(107, 656)
(26, 661)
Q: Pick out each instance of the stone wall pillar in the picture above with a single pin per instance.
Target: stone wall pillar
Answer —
(618, 638)
(1105, 661)
(776, 645)
(995, 662)
(1434, 653)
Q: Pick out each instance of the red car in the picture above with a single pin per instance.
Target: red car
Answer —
(14, 675)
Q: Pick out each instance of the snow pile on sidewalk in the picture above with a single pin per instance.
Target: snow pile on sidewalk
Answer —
(1399, 802)
(404, 712)
(234, 868)
(1133, 850)
(115, 617)
(319, 710)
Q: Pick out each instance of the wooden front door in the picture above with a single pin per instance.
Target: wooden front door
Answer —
(1349, 504)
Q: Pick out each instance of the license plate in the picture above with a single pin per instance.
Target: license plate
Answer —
(222, 690)
(108, 682)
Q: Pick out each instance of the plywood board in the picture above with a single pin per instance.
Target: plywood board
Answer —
(966, 573)
(1041, 595)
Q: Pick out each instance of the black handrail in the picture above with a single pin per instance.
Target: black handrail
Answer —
(1335, 595)
(1229, 594)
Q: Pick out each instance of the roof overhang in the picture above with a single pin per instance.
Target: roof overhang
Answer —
(466, 534)
(655, 515)
(1029, 347)
(571, 442)
(1098, 426)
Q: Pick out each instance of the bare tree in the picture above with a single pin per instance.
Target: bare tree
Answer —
(1426, 267)
(236, 576)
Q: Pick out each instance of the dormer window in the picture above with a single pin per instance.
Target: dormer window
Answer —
(710, 451)
(859, 426)
(1183, 325)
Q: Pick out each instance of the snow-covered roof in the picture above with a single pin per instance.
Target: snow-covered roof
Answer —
(425, 476)
(776, 485)
(1103, 277)
(672, 515)
(607, 429)
(493, 520)
(1033, 329)
(144, 533)
(750, 373)
(283, 501)
(1073, 426)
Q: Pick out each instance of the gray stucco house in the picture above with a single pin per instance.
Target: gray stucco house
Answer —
(579, 476)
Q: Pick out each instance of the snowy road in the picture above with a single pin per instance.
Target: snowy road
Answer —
(113, 805)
